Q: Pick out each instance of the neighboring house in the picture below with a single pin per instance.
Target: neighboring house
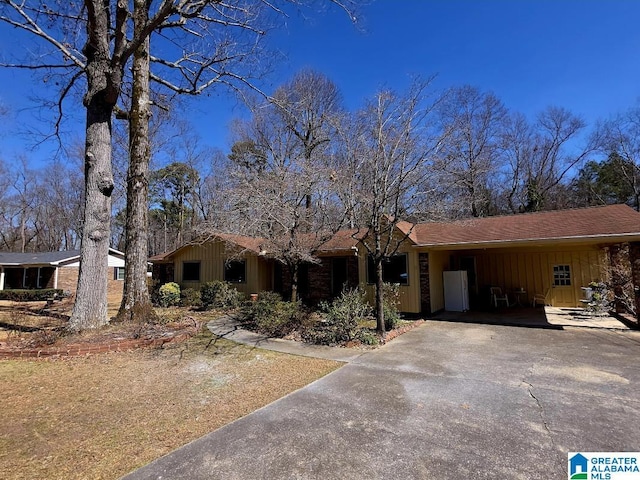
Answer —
(550, 253)
(53, 270)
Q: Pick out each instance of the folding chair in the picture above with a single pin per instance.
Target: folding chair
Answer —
(497, 296)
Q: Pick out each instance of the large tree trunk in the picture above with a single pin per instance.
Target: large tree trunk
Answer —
(103, 88)
(90, 308)
(136, 302)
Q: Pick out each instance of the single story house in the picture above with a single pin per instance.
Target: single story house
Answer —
(53, 270)
(551, 254)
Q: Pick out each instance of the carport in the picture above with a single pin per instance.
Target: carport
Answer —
(551, 254)
(555, 318)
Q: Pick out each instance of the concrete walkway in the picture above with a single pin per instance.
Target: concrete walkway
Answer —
(444, 401)
(229, 328)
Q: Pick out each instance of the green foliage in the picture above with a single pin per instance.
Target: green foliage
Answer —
(341, 319)
(611, 181)
(20, 295)
(390, 305)
(601, 296)
(190, 297)
(367, 337)
(272, 316)
(169, 294)
(219, 294)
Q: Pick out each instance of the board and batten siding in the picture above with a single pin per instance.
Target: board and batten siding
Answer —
(532, 270)
(410, 293)
(211, 257)
(438, 263)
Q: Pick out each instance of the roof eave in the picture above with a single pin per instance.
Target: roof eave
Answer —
(582, 239)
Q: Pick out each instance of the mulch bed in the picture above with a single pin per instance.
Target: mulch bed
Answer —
(52, 344)
(400, 330)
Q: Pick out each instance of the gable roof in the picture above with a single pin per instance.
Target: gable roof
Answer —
(44, 258)
(251, 244)
(343, 240)
(610, 222)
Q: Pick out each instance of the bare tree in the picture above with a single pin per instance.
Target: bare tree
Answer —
(397, 141)
(21, 222)
(470, 156)
(280, 159)
(96, 40)
(538, 157)
(60, 206)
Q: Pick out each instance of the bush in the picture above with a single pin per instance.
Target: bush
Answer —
(20, 295)
(219, 294)
(341, 319)
(169, 294)
(367, 337)
(190, 297)
(272, 316)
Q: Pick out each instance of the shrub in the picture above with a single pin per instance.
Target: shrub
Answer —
(270, 315)
(169, 294)
(190, 297)
(20, 295)
(367, 337)
(340, 319)
(219, 294)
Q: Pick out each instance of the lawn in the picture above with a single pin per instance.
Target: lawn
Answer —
(104, 415)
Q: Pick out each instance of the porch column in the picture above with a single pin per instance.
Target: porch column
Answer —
(1, 278)
(425, 287)
(634, 258)
(616, 257)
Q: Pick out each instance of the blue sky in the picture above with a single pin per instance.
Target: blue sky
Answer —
(583, 55)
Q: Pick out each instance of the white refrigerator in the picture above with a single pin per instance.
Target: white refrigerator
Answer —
(456, 291)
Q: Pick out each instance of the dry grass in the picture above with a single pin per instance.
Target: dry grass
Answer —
(105, 415)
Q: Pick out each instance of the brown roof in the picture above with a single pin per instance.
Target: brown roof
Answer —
(577, 224)
(253, 244)
(159, 257)
(584, 223)
(343, 240)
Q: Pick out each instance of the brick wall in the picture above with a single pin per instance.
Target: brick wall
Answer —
(318, 277)
(634, 258)
(163, 273)
(68, 280)
(319, 281)
(353, 273)
(425, 293)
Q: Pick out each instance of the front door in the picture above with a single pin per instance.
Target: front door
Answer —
(562, 289)
(339, 275)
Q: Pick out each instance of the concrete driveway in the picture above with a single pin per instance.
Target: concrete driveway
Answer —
(444, 401)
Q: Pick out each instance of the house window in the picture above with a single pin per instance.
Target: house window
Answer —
(561, 275)
(235, 271)
(191, 272)
(118, 273)
(394, 269)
